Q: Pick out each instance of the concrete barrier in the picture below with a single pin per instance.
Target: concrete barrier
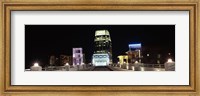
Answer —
(130, 66)
(137, 67)
(67, 67)
(170, 66)
(36, 68)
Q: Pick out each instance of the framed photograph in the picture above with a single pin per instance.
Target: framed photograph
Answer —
(100, 47)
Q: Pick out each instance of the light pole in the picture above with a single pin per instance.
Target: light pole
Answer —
(36, 67)
(67, 66)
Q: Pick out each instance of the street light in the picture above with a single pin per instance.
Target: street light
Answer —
(169, 60)
(36, 67)
(67, 64)
(36, 64)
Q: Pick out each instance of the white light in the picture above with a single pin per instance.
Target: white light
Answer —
(136, 61)
(36, 64)
(124, 62)
(127, 67)
(147, 54)
(133, 68)
(118, 62)
(142, 68)
(157, 69)
(101, 32)
(67, 64)
(169, 61)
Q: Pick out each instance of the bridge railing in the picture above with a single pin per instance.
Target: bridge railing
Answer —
(142, 65)
(153, 65)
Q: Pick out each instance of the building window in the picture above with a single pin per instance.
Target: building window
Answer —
(78, 51)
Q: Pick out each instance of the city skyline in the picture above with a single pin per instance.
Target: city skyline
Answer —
(42, 41)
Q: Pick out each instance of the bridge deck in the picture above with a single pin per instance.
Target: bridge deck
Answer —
(102, 68)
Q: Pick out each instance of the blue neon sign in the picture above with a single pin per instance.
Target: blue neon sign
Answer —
(135, 45)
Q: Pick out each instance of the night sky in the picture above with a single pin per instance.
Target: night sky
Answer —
(42, 41)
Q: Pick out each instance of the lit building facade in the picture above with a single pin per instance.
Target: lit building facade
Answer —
(103, 48)
(65, 59)
(77, 56)
(148, 54)
(134, 53)
(122, 59)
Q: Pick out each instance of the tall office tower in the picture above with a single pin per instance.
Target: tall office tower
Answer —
(77, 56)
(103, 48)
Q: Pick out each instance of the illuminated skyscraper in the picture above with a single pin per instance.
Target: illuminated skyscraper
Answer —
(103, 48)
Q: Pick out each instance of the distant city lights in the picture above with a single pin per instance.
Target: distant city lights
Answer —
(137, 58)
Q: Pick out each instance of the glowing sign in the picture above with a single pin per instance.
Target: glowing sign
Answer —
(135, 46)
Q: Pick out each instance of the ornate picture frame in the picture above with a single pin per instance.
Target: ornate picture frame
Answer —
(96, 5)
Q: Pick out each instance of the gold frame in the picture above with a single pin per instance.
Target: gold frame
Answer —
(8, 5)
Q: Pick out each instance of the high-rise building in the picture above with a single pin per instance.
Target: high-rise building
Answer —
(77, 56)
(103, 48)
